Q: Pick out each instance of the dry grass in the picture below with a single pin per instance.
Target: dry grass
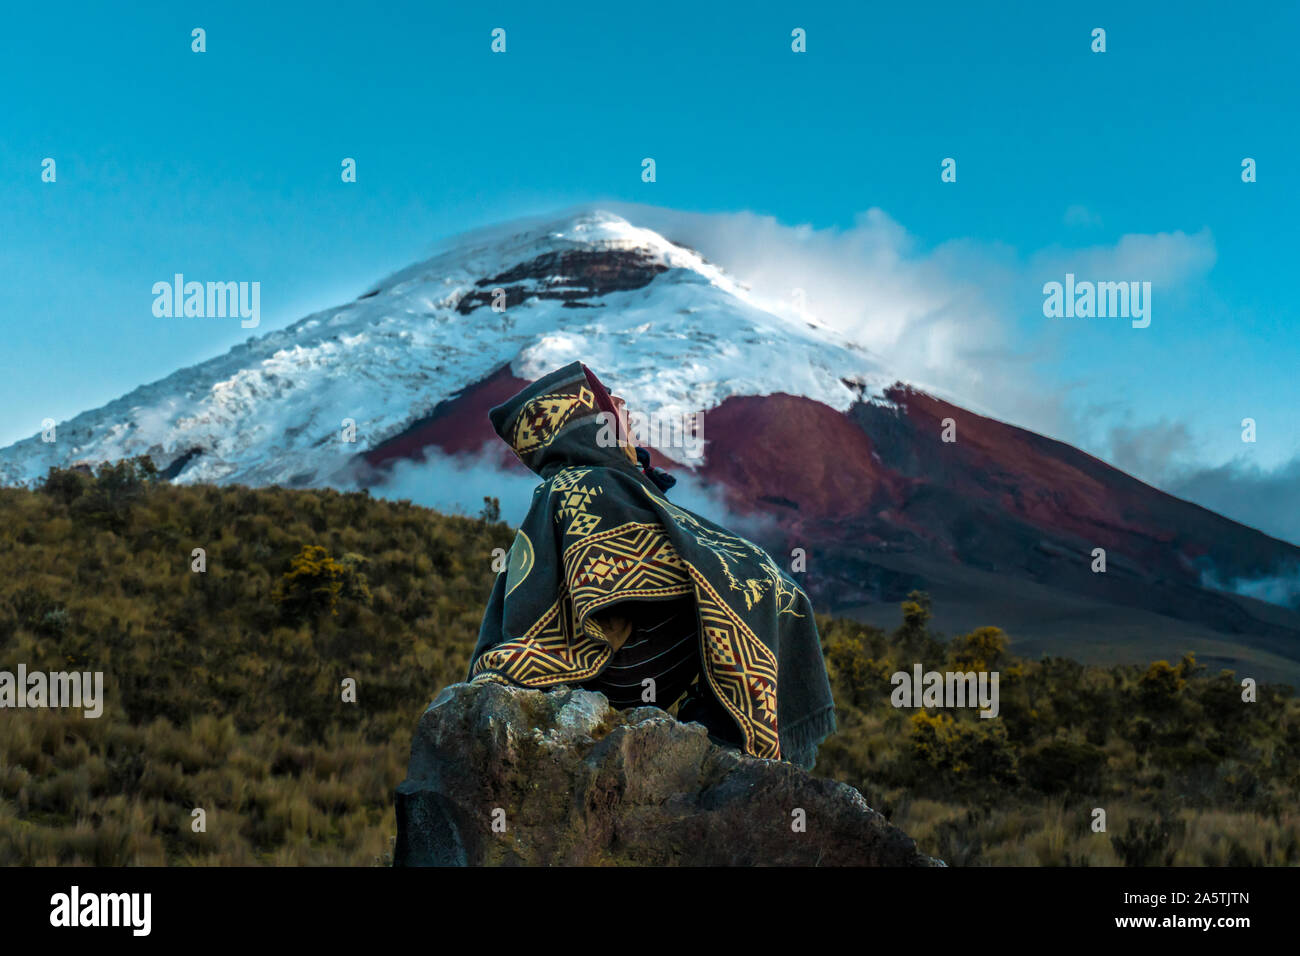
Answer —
(221, 698)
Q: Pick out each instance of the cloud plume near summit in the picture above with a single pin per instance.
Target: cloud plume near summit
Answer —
(963, 319)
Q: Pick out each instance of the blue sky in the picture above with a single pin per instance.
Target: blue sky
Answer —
(226, 164)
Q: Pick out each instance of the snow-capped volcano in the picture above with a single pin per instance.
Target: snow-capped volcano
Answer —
(673, 333)
(883, 487)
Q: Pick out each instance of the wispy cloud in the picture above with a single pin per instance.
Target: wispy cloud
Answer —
(1267, 499)
(1156, 452)
(962, 319)
(457, 484)
(952, 319)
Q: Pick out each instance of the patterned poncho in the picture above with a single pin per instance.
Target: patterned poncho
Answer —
(599, 533)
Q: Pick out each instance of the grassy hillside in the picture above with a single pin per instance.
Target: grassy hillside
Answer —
(224, 688)
(1186, 772)
(226, 692)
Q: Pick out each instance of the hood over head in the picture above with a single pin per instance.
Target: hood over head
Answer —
(562, 419)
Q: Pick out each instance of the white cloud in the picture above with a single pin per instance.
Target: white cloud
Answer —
(457, 484)
(1166, 259)
(962, 319)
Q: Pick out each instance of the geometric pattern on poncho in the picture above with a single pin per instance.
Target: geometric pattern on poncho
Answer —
(727, 548)
(741, 670)
(549, 653)
(573, 508)
(637, 560)
(542, 418)
(633, 561)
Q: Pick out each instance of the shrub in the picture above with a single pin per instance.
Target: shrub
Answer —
(315, 583)
(1146, 843)
(1061, 766)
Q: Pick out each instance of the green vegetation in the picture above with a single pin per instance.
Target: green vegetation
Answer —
(1187, 773)
(224, 692)
(224, 688)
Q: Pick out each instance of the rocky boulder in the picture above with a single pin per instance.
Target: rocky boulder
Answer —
(505, 776)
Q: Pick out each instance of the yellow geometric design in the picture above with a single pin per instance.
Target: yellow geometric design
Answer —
(551, 652)
(728, 549)
(566, 478)
(582, 525)
(741, 670)
(577, 498)
(541, 419)
(637, 560)
(720, 647)
(632, 561)
(574, 499)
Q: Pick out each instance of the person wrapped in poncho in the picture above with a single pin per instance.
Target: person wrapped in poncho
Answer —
(611, 587)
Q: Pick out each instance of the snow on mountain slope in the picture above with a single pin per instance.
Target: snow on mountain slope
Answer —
(670, 331)
(806, 434)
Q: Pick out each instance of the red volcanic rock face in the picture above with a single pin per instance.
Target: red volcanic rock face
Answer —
(458, 425)
(880, 475)
(785, 453)
(1044, 481)
(852, 488)
(1064, 493)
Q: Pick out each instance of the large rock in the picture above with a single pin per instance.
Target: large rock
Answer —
(504, 776)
